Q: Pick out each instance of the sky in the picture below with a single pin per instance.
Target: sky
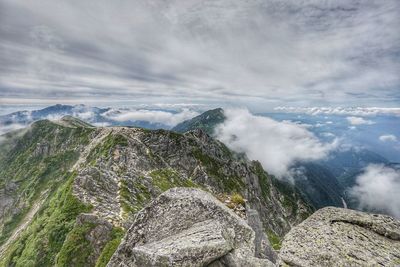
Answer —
(258, 54)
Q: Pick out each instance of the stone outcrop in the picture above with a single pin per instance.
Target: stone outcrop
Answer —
(98, 236)
(187, 227)
(342, 237)
(42, 149)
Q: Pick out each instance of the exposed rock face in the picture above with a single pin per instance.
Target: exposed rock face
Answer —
(7, 195)
(145, 163)
(342, 237)
(261, 242)
(98, 236)
(42, 149)
(187, 227)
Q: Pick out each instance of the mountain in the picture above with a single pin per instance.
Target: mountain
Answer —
(347, 164)
(69, 191)
(93, 115)
(323, 182)
(206, 121)
(318, 185)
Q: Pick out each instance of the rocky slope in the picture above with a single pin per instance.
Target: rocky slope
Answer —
(342, 237)
(69, 191)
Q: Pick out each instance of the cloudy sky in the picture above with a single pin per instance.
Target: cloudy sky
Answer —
(258, 53)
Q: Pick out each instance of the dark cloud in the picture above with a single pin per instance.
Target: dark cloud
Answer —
(334, 52)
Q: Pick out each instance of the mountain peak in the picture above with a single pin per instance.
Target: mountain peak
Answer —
(206, 121)
(70, 121)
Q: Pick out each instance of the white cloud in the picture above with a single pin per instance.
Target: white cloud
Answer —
(388, 138)
(328, 134)
(353, 111)
(277, 145)
(201, 50)
(155, 116)
(359, 121)
(11, 127)
(378, 190)
(101, 124)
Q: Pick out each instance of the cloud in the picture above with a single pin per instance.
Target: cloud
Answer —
(155, 116)
(334, 52)
(11, 127)
(378, 190)
(353, 111)
(359, 121)
(388, 138)
(277, 145)
(328, 134)
(101, 124)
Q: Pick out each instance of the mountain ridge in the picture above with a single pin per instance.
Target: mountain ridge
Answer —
(112, 173)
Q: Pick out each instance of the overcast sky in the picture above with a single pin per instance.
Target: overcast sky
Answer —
(256, 53)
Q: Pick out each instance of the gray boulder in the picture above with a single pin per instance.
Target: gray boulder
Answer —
(187, 227)
(342, 237)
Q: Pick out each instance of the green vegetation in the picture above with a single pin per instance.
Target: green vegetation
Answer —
(109, 249)
(275, 240)
(37, 161)
(104, 149)
(76, 248)
(165, 179)
(133, 200)
(39, 244)
(289, 194)
(207, 121)
(264, 180)
(237, 199)
(229, 183)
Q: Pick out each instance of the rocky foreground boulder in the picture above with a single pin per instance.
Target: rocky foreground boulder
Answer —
(188, 227)
(342, 237)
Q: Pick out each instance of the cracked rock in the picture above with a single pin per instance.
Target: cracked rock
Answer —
(342, 237)
(187, 227)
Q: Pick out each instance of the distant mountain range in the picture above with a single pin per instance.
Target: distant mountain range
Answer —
(323, 183)
(94, 115)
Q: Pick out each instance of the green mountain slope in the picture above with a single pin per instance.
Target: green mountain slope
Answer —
(205, 121)
(68, 191)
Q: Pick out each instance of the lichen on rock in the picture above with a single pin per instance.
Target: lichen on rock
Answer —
(342, 237)
(187, 227)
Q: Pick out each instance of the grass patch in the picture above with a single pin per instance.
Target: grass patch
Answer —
(275, 240)
(104, 148)
(110, 247)
(237, 199)
(165, 179)
(76, 248)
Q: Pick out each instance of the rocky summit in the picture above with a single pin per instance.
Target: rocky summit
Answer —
(342, 237)
(188, 227)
